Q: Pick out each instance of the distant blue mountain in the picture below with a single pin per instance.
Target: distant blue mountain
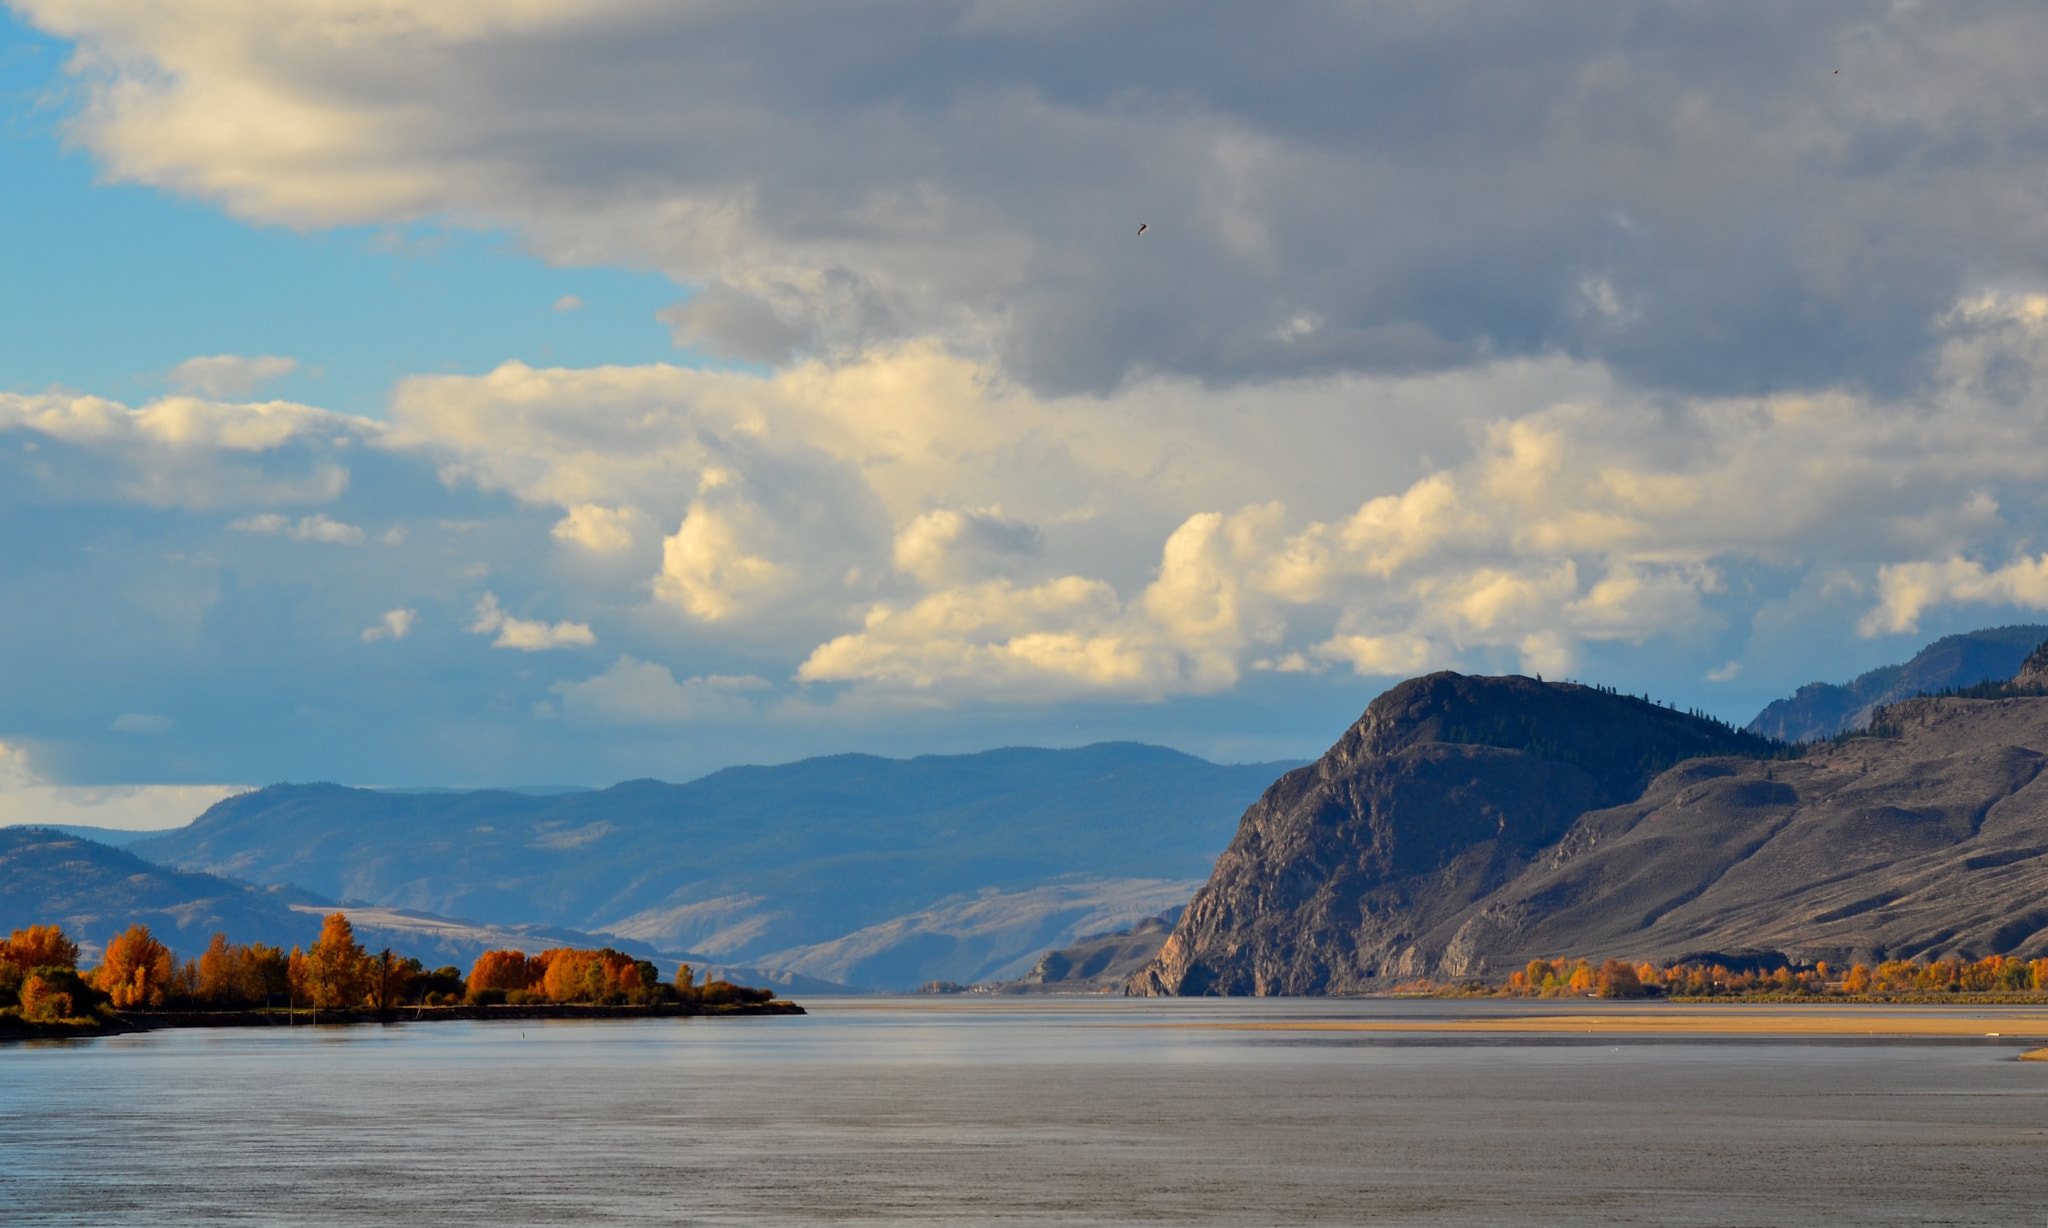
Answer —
(750, 861)
(113, 837)
(1823, 709)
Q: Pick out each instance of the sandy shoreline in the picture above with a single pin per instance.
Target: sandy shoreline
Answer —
(1723, 1021)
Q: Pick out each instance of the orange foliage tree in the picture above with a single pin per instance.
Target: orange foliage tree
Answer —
(335, 974)
(504, 971)
(39, 946)
(229, 974)
(137, 971)
(590, 976)
(43, 1002)
(563, 974)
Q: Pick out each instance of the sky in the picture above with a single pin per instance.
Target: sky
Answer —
(533, 392)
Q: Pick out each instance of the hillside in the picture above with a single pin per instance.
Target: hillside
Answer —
(1820, 710)
(1444, 791)
(772, 866)
(95, 891)
(1400, 855)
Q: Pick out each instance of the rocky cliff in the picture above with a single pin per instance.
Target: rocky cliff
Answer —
(1363, 865)
(1413, 849)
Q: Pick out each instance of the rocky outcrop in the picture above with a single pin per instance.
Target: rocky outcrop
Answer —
(1443, 860)
(1363, 865)
(1097, 963)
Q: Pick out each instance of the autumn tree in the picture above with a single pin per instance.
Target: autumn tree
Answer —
(501, 972)
(39, 946)
(230, 974)
(1618, 980)
(591, 976)
(137, 971)
(43, 1002)
(335, 973)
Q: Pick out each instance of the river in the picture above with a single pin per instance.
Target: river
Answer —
(1012, 1111)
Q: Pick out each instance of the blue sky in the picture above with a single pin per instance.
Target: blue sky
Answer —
(117, 283)
(558, 393)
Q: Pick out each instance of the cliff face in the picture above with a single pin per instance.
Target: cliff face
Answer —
(1362, 865)
(1395, 856)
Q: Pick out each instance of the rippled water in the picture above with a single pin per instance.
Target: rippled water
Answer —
(1000, 1111)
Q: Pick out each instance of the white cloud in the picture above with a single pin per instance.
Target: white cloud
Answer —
(709, 568)
(1907, 590)
(601, 530)
(231, 375)
(142, 722)
(1588, 514)
(1381, 655)
(314, 528)
(395, 625)
(523, 634)
(1182, 635)
(1728, 671)
(178, 452)
(569, 302)
(950, 545)
(972, 170)
(635, 692)
(26, 799)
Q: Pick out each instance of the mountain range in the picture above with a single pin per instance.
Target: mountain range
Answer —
(1467, 825)
(865, 871)
(1820, 710)
(1462, 824)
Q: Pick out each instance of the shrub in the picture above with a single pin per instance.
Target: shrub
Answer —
(42, 1002)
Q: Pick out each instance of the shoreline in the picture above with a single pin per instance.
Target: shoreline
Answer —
(1731, 1019)
(129, 1022)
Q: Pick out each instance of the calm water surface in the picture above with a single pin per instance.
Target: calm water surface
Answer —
(1004, 1111)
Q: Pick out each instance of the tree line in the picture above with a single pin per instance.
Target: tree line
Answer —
(1614, 978)
(40, 980)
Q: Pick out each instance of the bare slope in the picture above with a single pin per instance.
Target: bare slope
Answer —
(1444, 860)
(1363, 864)
(95, 891)
(1930, 842)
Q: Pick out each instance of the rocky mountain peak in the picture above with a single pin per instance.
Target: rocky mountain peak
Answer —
(1443, 790)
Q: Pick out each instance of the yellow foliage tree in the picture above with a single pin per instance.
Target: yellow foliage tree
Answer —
(138, 970)
(39, 946)
(42, 1002)
(335, 973)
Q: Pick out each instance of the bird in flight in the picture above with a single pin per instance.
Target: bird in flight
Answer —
(1142, 228)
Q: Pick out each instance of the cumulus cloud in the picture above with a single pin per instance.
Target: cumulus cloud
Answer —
(830, 177)
(635, 692)
(177, 452)
(601, 530)
(569, 302)
(395, 625)
(314, 528)
(1905, 591)
(1181, 635)
(524, 634)
(949, 545)
(231, 375)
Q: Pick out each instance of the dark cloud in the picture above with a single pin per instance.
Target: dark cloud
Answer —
(1694, 194)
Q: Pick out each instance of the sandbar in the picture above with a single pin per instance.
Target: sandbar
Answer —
(1721, 1021)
